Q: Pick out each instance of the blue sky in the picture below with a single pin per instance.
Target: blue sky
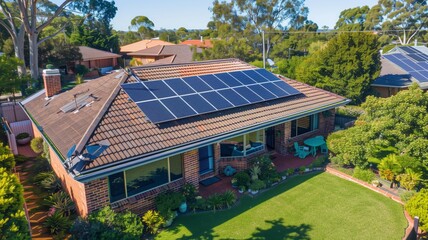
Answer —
(195, 14)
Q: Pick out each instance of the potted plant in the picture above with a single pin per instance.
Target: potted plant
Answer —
(168, 217)
(241, 189)
(290, 172)
(23, 138)
(302, 169)
(183, 207)
(284, 175)
(242, 178)
(256, 186)
(234, 182)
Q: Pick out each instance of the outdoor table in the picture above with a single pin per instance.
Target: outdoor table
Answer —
(314, 143)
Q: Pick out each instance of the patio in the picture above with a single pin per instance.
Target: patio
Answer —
(282, 162)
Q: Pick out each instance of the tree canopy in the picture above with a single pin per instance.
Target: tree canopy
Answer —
(346, 65)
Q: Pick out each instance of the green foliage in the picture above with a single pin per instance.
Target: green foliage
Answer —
(366, 175)
(353, 19)
(143, 25)
(61, 202)
(46, 152)
(346, 66)
(407, 195)
(13, 224)
(153, 221)
(417, 206)
(79, 79)
(409, 180)
(81, 70)
(255, 171)
(242, 178)
(22, 135)
(257, 185)
(266, 169)
(168, 201)
(215, 202)
(189, 192)
(48, 181)
(57, 223)
(10, 82)
(228, 198)
(37, 144)
(320, 161)
(107, 224)
(389, 168)
(287, 67)
(7, 159)
(350, 110)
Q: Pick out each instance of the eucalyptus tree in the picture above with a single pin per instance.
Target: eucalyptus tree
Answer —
(143, 25)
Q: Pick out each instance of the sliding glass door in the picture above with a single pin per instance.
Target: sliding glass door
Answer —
(206, 159)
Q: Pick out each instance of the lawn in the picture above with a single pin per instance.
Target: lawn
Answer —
(314, 206)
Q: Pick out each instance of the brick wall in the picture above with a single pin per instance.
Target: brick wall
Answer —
(191, 167)
(97, 194)
(52, 82)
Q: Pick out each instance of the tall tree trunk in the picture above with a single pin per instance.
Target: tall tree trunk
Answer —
(34, 55)
(18, 44)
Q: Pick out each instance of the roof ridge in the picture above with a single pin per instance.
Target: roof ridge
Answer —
(161, 49)
(93, 126)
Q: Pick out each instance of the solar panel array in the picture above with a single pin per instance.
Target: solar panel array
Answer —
(415, 54)
(418, 70)
(176, 98)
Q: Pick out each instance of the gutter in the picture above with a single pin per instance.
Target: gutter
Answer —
(133, 162)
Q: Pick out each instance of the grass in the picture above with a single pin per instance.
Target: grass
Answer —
(313, 206)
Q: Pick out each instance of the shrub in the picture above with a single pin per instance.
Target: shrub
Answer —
(407, 195)
(215, 201)
(37, 145)
(417, 206)
(363, 174)
(81, 69)
(409, 179)
(79, 79)
(228, 198)
(199, 204)
(242, 178)
(255, 171)
(189, 192)
(153, 221)
(13, 224)
(48, 181)
(41, 165)
(21, 159)
(22, 135)
(57, 223)
(319, 161)
(168, 201)
(267, 168)
(46, 153)
(107, 224)
(257, 185)
(349, 110)
(61, 202)
(7, 159)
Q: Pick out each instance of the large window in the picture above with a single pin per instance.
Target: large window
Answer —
(206, 159)
(304, 125)
(243, 145)
(143, 178)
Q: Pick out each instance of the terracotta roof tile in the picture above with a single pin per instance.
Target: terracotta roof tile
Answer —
(143, 44)
(94, 54)
(198, 43)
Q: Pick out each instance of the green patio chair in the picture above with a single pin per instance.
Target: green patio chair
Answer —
(324, 149)
(301, 151)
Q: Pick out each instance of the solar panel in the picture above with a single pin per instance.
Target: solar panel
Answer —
(417, 57)
(409, 50)
(418, 69)
(176, 98)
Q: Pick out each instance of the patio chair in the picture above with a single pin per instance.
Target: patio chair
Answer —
(301, 151)
(324, 149)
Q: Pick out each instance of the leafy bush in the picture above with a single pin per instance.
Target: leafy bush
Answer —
(46, 153)
(350, 110)
(107, 224)
(267, 168)
(37, 145)
(168, 201)
(319, 161)
(81, 69)
(215, 201)
(61, 202)
(57, 223)
(242, 178)
(48, 181)
(255, 171)
(257, 185)
(79, 79)
(410, 179)
(417, 206)
(21, 159)
(41, 165)
(199, 204)
(7, 159)
(406, 196)
(13, 224)
(153, 221)
(366, 175)
(189, 192)
(22, 135)
(389, 168)
(228, 198)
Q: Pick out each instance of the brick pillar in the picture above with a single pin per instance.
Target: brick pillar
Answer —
(217, 155)
(52, 81)
(191, 167)
(97, 194)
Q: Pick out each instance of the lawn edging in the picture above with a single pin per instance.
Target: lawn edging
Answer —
(376, 189)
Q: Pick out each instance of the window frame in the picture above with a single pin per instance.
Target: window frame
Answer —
(244, 141)
(313, 120)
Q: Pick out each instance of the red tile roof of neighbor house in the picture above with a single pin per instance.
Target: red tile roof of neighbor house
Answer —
(117, 119)
(174, 53)
(198, 43)
(95, 54)
(143, 44)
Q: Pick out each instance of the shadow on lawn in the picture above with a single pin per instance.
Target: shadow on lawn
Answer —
(201, 225)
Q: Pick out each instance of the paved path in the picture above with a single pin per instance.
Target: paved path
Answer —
(37, 217)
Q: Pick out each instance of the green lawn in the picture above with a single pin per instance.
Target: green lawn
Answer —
(314, 206)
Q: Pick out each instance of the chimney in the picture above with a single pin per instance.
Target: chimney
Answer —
(52, 81)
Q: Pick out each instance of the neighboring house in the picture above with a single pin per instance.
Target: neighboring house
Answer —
(99, 60)
(123, 138)
(143, 44)
(164, 54)
(401, 67)
(198, 43)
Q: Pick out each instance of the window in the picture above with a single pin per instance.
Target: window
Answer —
(143, 178)
(304, 125)
(243, 145)
(206, 159)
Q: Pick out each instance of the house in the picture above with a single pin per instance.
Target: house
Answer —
(143, 44)
(123, 138)
(164, 54)
(198, 43)
(96, 59)
(401, 67)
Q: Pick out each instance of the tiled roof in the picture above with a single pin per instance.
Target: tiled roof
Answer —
(180, 53)
(143, 44)
(94, 54)
(198, 43)
(66, 129)
(117, 119)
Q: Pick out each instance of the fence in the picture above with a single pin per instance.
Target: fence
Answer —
(12, 112)
(10, 137)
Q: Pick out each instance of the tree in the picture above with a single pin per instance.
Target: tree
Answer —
(403, 18)
(143, 25)
(417, 206)
(13, 224)
(389, 168)
(346, 66)
(7, 159)
(352, 19)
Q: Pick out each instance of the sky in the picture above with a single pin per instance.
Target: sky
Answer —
(195, 14)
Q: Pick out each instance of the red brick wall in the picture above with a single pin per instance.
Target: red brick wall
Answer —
(191, 167)
(52, 84)
(97, 194)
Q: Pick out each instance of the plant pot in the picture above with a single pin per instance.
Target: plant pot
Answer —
(183, 207)
(241, 191)
(168, 222)
(23, 141)
(284, 177)
(254, 192)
